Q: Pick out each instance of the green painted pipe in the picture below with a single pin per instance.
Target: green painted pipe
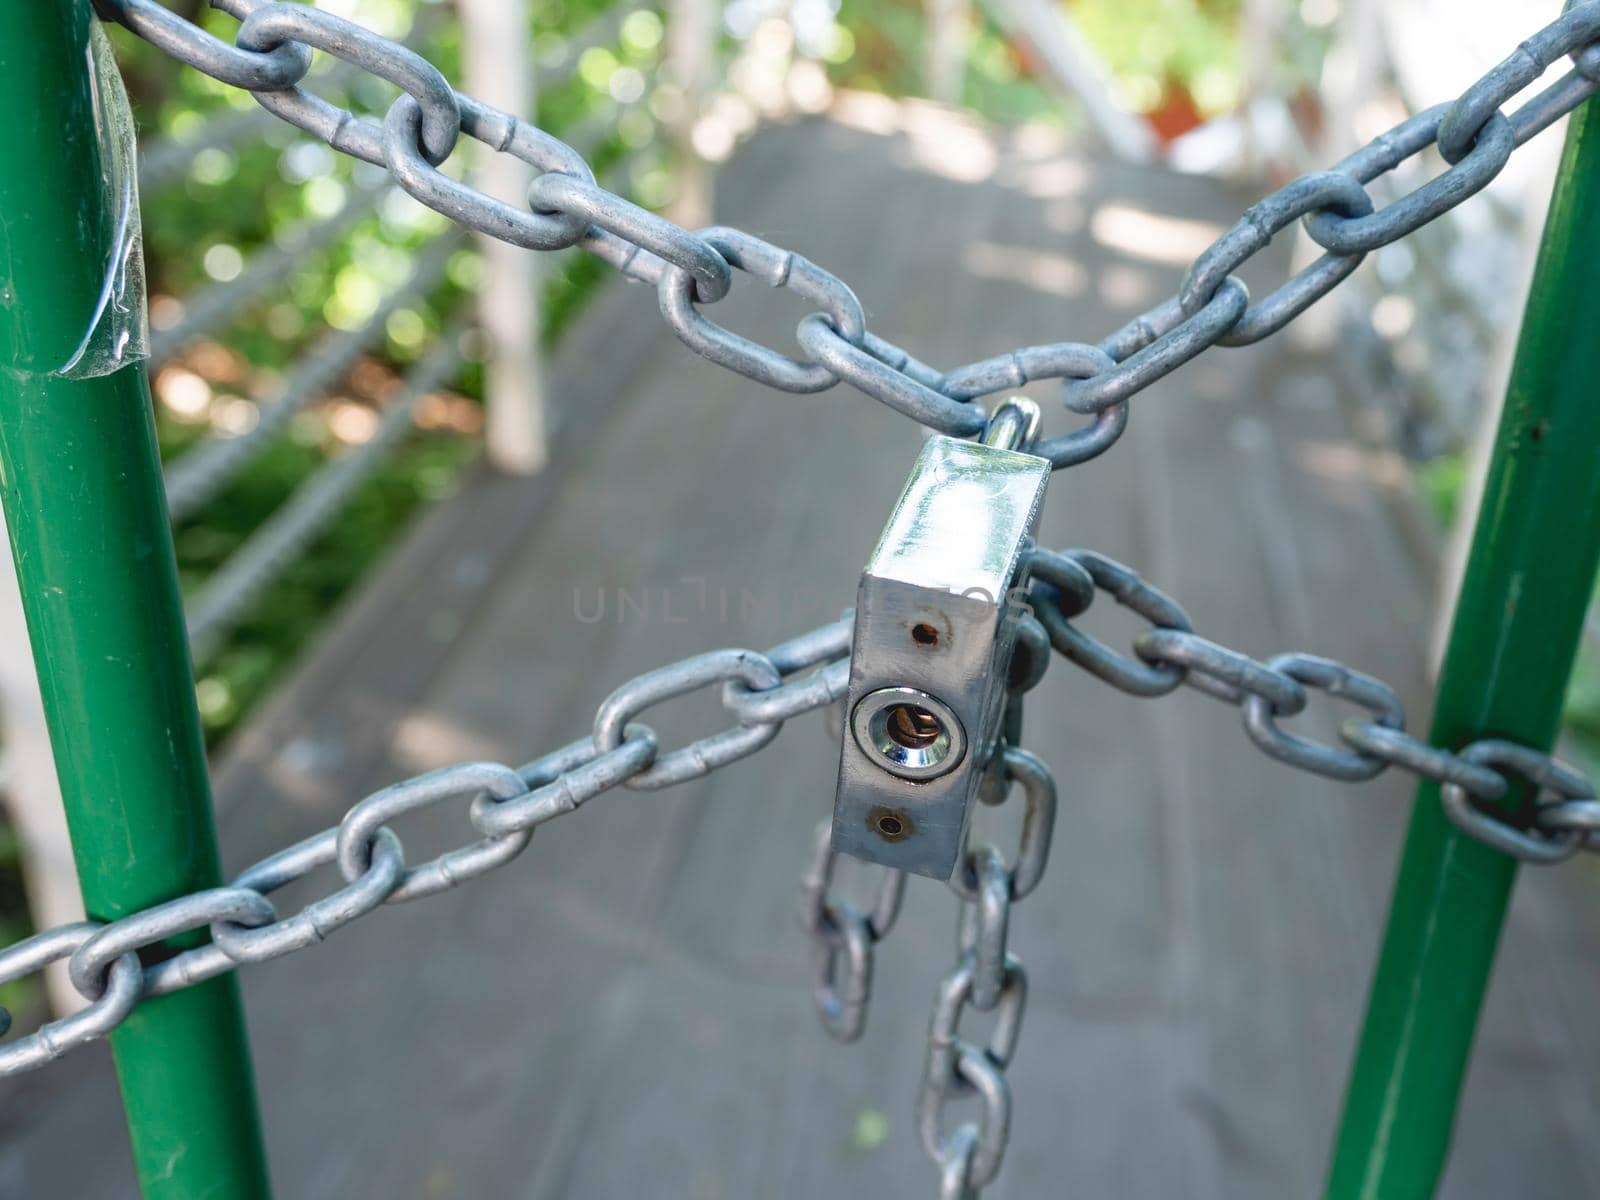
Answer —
(1515, 634)
(81, 484)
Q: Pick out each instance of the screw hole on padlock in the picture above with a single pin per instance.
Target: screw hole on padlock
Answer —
(924, 634)
(890, 824)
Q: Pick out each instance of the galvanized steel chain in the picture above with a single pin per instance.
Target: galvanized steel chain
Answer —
(987, 978)
(692, 270)
(503, 807)
(1521, 801)
(843, 936)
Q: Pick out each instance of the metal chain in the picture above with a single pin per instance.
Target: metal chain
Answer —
(271, 55)
(690, 270)
(843, 935)
(1519, 800)
(987, 977)
(503, 806)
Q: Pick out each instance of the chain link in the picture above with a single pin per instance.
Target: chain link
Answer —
(1377, 697)
(693, 269)
(503, 806)
(275, 26)
(1553, 835)
(1017, 766)
(705, 755)
(843, 936)
(1141, 678)
(109, 1006)
(1559, 813)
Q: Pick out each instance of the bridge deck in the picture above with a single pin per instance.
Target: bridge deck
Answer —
(624, 1012)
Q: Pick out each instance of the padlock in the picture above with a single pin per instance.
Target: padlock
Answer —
(936, 621)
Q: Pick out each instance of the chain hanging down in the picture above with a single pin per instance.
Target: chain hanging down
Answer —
(843, 936)
(987, 977)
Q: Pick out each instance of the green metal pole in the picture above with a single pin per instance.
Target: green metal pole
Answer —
(81, 485)
(1517, 624)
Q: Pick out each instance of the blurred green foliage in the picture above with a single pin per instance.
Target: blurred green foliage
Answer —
(1152, 46)
(18, 995)
(1441, 482)
(1156, 49)
(1582, 714)
(882, 48)
(1156, 52)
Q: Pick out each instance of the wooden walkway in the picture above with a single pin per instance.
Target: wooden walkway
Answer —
(624, 1013)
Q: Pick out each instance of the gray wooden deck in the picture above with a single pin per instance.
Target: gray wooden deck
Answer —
(624, 1012)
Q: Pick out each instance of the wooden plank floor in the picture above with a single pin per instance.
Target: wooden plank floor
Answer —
(624, 1012)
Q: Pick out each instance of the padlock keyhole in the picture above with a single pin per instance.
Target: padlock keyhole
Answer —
(913, 727)
(908, 733)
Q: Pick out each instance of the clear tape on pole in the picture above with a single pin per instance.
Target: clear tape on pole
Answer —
(116, 330)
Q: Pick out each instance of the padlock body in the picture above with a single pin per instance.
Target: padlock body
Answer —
(936, 617)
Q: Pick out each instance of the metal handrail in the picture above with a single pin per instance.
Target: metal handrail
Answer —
(200, 474)
(240, 581)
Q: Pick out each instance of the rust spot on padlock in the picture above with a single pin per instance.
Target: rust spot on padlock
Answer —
(891, 824)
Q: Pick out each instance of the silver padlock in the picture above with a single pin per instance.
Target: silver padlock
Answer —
(936, 619)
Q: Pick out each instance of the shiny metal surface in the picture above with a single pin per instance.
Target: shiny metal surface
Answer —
(936, 613)
(693, 268)
(960, 522)
(503, 806)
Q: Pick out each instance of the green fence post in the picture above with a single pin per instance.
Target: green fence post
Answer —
(1516, 629)
(81, 484)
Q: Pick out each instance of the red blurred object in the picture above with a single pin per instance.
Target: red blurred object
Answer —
(1176, 115)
